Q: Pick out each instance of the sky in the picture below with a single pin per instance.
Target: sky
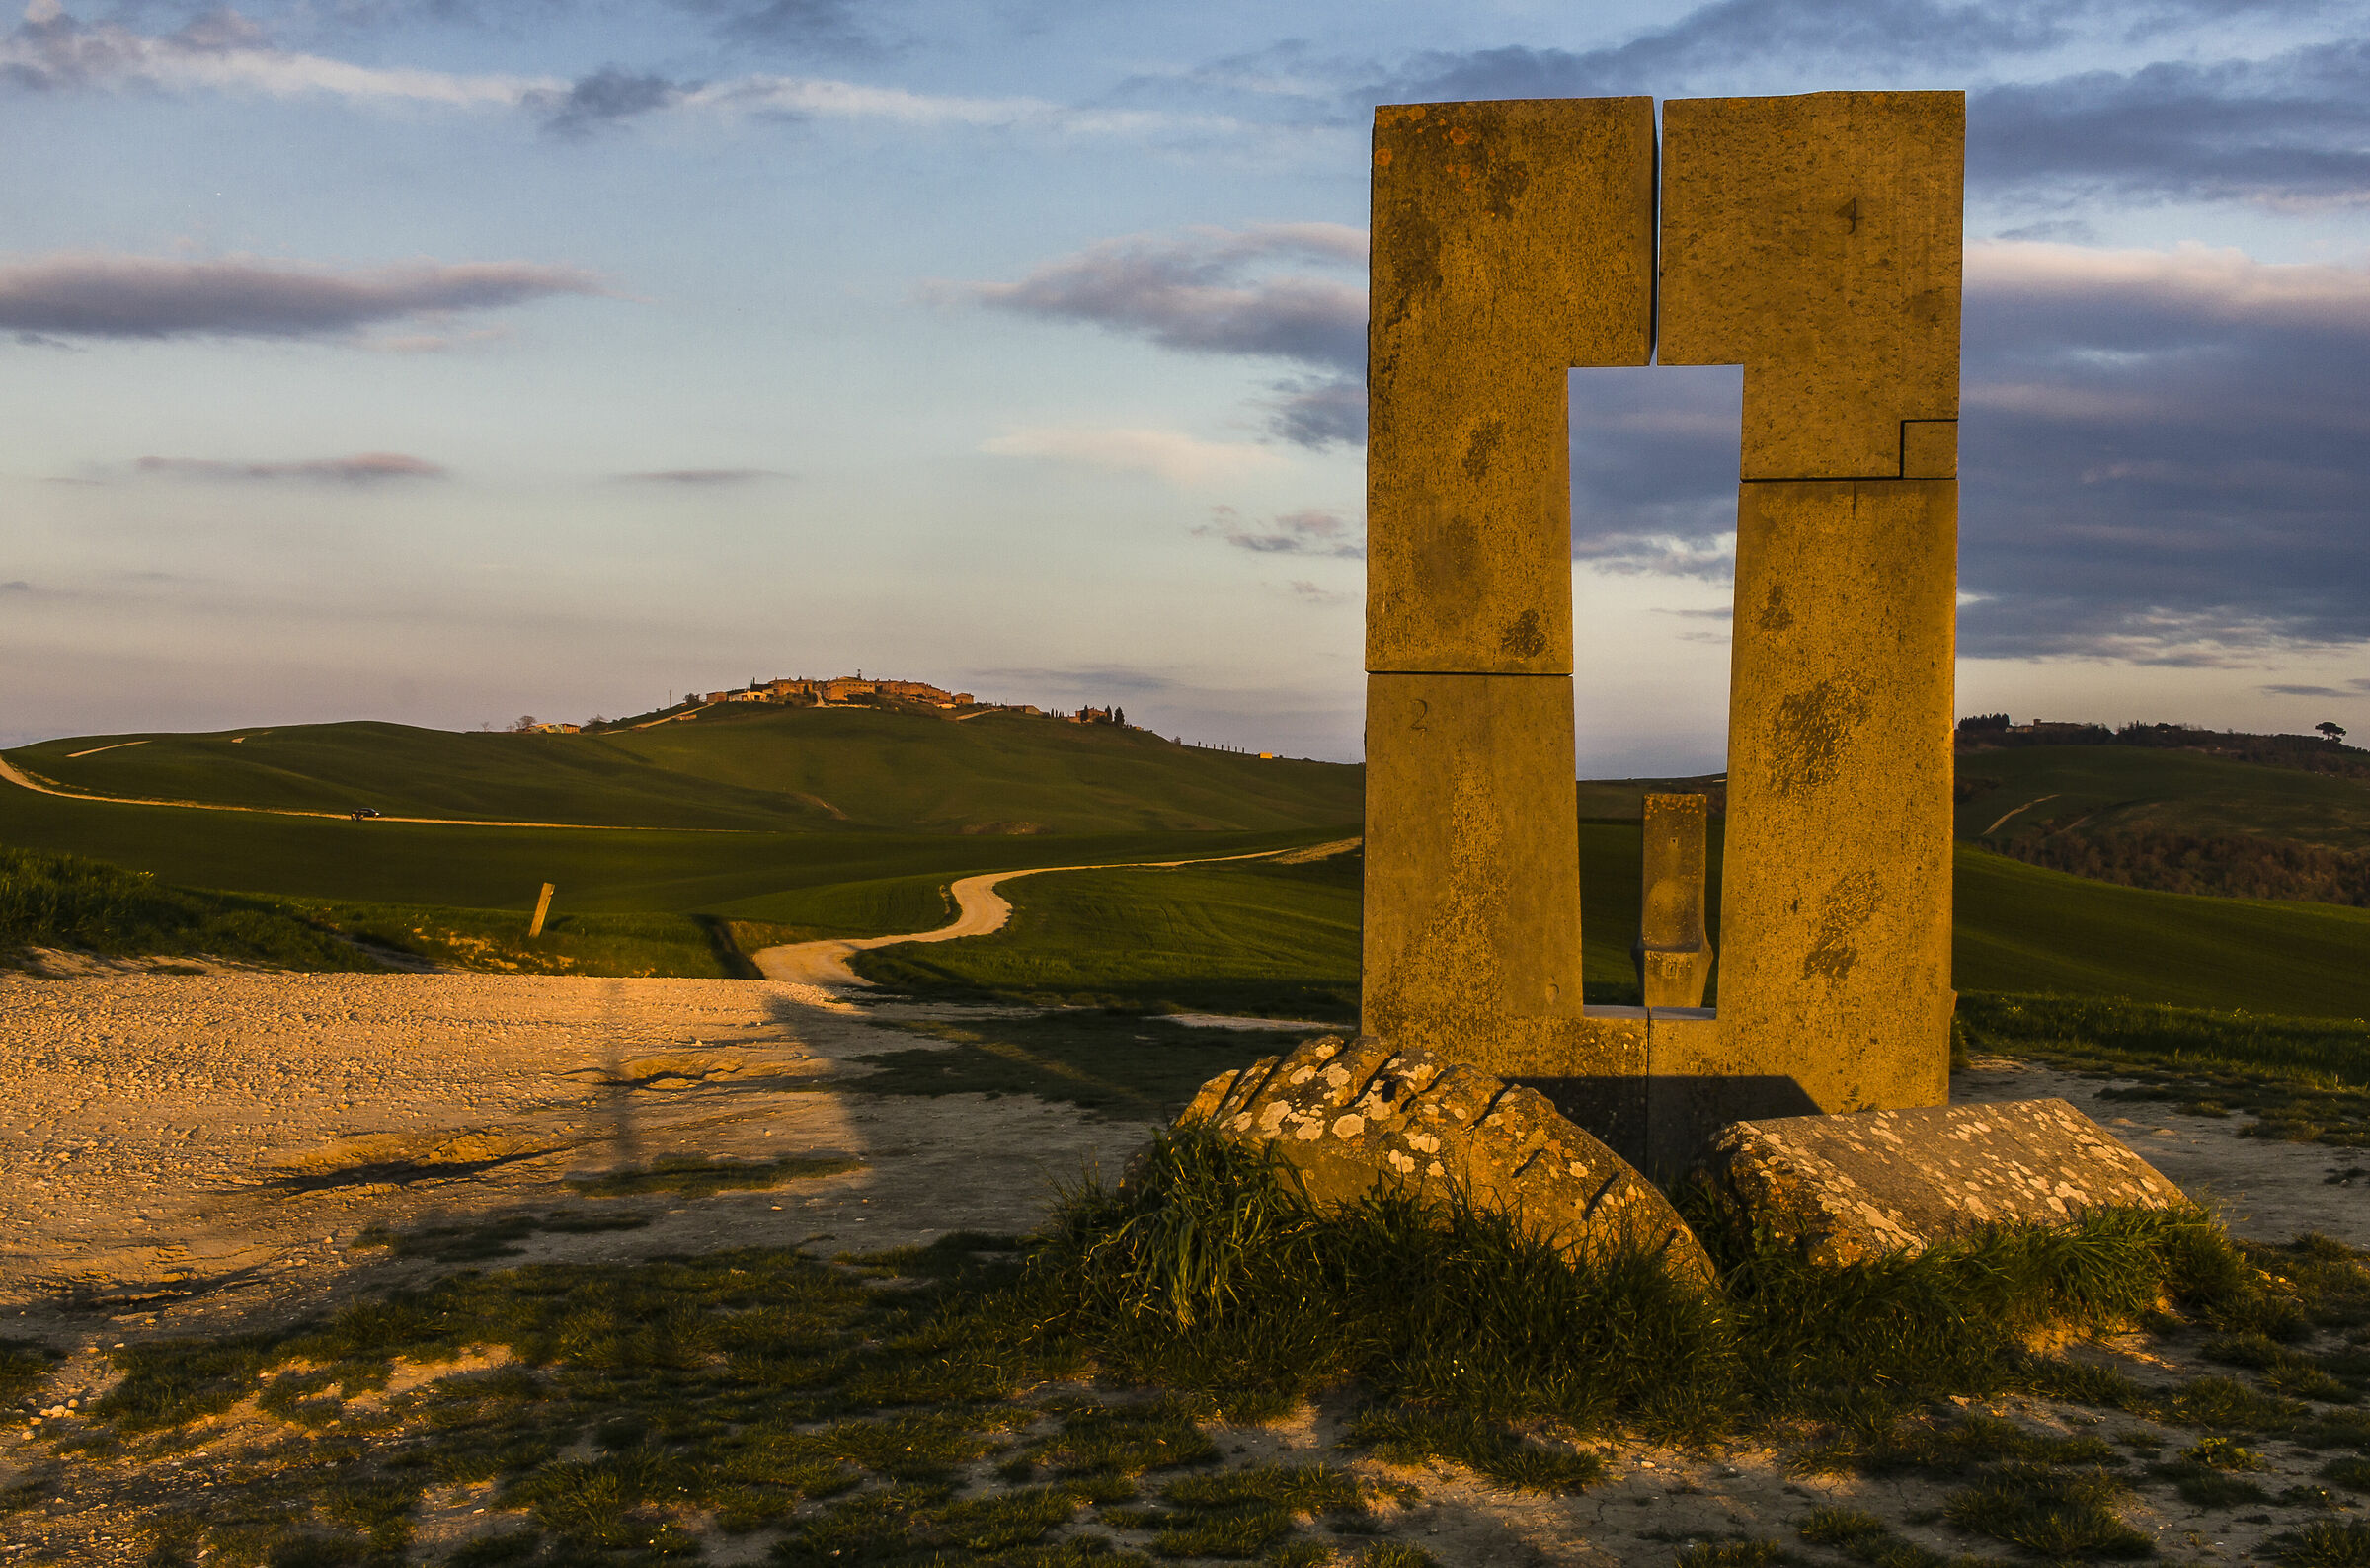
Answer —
(449, 360)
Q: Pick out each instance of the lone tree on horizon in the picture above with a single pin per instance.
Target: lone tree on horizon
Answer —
(2334, 730)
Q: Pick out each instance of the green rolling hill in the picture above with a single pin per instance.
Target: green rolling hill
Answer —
(753, 874)
(2016, 794)
(801, 770)
(1284, 939)
(851, 822)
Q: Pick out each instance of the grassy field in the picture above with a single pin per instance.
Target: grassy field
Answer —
(750, 876)
(86, 906)
(2020, 928)
(674, 946)
(1277, 940)
(2112, 789)
(798, 770)
(1251, 937)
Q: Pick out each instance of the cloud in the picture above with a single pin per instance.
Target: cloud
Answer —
(1317, 411)
(809, 97)
(2162, 454)
(1659, 554)
(1204, 291)
(2289, 132)
(16, 586)
(364, 468)
(1871, 35)
(831, 25)
(1314, 531)
(2306, 691)
(1218, 291)
(95, 295)
(702, 477)
(1311, 593)
(1077, 678)
(604, 97)
(1178, 459)
(225, 52)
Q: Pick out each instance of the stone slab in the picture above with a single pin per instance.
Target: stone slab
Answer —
(1350, 1117)
(1511, 241)
(1674, 955)
(1472, 860)
(1879, 1182)
(1816, 240)
(1835, 912)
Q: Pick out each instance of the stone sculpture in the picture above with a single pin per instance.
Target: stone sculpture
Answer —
(1814, 240)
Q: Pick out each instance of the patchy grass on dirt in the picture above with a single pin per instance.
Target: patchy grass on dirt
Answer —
(1124, 1062)
(614, 1415)
(1067, 1400)
(2305, 1080)
(24, 1364)
(697, 1176)
(495, 1237)
(632, 946)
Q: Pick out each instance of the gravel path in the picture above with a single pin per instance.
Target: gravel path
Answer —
(181, 1148)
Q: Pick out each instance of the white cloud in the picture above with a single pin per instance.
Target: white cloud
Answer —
(2201, 281)
(226, 52)
(1167, 454)
(223, 51)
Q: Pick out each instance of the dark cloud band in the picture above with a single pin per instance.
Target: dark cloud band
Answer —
(135, 296)
(364, 468)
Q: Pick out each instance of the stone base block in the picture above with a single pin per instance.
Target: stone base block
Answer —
(1353, 1116)
(1873, 1182)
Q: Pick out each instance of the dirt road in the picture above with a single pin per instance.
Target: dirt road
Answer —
(979, 910)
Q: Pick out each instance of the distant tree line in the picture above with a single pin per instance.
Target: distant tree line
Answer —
(2238, 867)
(2311, 754)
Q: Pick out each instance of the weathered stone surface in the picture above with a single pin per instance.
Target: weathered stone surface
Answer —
(1674, 955)
(1512, 240)
(1352, 1116)
(1473, 858)
(1835, 912)
(1816, 241)
(1875, 1182)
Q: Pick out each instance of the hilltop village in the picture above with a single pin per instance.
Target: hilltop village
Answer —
(833, 691)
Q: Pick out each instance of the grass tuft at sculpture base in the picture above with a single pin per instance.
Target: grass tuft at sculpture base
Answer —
(1206, 1271)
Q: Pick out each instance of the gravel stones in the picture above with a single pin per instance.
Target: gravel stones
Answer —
(1353, 1116)
(1872, 1182)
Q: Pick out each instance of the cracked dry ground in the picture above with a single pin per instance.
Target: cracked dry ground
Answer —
(227, 1155)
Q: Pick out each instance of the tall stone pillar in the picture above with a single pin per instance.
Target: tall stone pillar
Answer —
(1512, 241)
(1816, 241)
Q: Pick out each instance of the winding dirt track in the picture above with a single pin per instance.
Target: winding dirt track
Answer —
(980, 910)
